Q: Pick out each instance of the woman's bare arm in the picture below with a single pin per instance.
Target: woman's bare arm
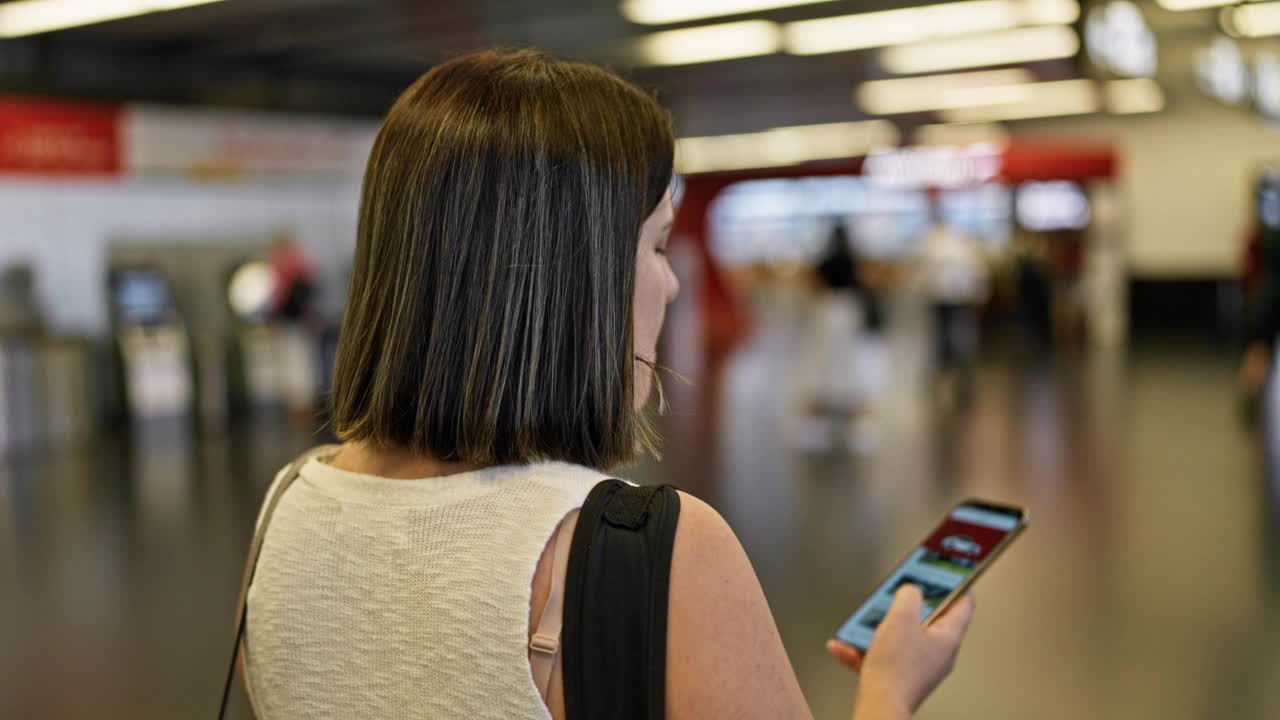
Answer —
(724, 656)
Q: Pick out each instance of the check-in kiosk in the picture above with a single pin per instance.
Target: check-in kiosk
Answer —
(21, 328)
(152, 344)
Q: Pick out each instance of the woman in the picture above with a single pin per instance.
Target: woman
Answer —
(509, 288)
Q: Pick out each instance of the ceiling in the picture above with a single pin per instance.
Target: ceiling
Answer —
(353, 57)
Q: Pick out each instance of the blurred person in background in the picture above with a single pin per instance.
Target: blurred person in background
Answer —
(1067, 249)
(1252, 263)
(839, 318)
(1260, 280)
(841, 269)
(498, 347)
(1032, 289)
(840, 365)
(299, 325)
(957, 283)
(1254, 282)
(295, 283)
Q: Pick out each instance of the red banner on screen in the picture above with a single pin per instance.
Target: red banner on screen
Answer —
(964, 541)
(44, 137)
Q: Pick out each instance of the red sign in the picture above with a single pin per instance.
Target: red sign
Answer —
(43, 137)
(1050, 160)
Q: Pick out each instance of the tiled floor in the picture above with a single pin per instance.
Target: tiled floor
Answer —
(1148, 586)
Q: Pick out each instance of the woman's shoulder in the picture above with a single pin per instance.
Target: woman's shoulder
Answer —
(707, 560)
(725, 657)
(702, 534)
(576, 481)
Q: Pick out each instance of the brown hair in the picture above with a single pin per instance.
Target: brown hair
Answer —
(489, 317)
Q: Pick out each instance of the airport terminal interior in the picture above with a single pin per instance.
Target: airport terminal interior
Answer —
(1026, 251)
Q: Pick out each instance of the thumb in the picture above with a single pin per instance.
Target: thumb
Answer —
(908, 604)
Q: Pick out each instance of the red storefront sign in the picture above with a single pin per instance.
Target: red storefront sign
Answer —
(42, 137)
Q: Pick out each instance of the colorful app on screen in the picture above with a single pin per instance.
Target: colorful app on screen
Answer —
(943, 566)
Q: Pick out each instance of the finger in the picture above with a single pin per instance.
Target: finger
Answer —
(955, 621)
(847, 655)
(908, 601)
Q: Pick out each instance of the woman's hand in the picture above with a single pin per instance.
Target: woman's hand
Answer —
(907, 659)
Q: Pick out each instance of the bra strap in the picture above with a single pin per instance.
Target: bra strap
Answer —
(544, 646)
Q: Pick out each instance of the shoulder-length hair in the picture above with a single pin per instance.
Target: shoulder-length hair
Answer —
(489, 317)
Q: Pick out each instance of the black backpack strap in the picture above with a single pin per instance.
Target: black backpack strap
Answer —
(614, 637)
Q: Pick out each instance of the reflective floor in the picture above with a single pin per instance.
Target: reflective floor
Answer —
(1148, 586)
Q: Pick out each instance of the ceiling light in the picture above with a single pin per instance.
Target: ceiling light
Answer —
(1062, 97)
(1255, 20)
(1221, 71)
(1179, 5)
(782, 146)
(1129, 97)
(1008, 47)
(661, 12)
(936, 92)
(889, 27)
(710, 43)
(31, 17)
(1050, 12)
(915, 24)
(1119, 40)
(961, 134)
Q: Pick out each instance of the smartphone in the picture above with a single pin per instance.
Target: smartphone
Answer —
(962, 547)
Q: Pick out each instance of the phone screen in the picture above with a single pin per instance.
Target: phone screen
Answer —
(960, 547)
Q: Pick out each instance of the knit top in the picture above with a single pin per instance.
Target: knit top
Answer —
(384, 598)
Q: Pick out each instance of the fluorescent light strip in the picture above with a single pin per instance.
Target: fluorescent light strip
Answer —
(1254, 20)
(1050, 12)
(916, 24)
(710, 43)
(662, 12)
(1008, 47)
(31, 17)
(782, 146)
(961, 134)
(936, 92)
(1130, 97)
(1180, 5)
(1063, 97)
(889, 27)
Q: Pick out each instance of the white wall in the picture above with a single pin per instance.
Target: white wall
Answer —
(63, 228)
(1186, 172)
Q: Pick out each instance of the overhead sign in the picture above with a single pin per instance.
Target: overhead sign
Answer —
(58, 138)
(224, 143)
(45, 137)
(934, 166)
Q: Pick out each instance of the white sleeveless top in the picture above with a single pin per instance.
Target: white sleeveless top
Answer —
(382, 598)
